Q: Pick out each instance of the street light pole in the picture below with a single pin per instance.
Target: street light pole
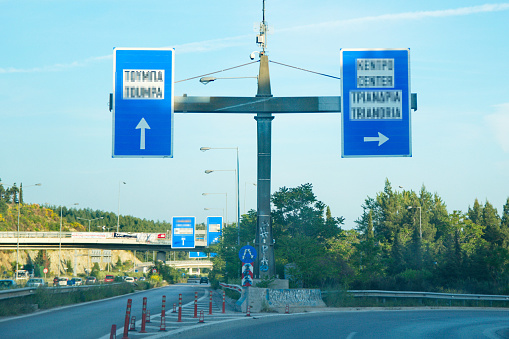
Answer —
(226, 202)
(237, 196)
(237, 193)
(89, 220)
(118, 210)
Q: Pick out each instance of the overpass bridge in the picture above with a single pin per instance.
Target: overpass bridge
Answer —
(160, 242)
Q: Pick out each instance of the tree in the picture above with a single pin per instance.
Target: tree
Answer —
(491, 221)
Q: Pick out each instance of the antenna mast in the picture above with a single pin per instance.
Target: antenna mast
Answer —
(261, 38)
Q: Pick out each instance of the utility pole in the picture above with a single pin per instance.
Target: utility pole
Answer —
(263, 105)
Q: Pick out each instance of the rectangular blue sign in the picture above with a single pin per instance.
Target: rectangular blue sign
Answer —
(143, 102)
(214, 229)
(197, 255)
(375, 103)
(183, 232)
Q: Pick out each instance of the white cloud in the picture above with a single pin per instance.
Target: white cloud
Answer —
(217, 44)
(498, 122)
(407, 16)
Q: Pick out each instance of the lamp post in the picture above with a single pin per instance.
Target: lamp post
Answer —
(237, 190)
(206, 80)
(216, 208)
(226, 204)
(60, 240)
(118, 211)
(89, 220)
(238, 174)
(420, 219)
(20, 192)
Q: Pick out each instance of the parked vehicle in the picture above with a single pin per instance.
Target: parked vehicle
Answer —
(62, 281)
(204, 280)
(74, 282)
(142, 279)
(7, 284)
(55, 281)
(90, 280)
(36, 282)
(109, 278)
(129, 280)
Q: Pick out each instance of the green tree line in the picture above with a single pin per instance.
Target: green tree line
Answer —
(404, 240)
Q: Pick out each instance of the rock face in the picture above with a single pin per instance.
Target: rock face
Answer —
(79, 260)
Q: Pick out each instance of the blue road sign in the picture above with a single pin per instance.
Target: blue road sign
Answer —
(183, 232)
(197, 255)
(247, 254)
(214, 228)
(143, 102)
(375, 103)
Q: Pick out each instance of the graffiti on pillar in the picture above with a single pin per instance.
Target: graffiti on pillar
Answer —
(264, 234)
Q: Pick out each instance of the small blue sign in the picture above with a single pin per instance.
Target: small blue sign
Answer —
(183, 232)
(197, 255)
(375, 103)
(214, 229)
(143, 102)
(247, 254)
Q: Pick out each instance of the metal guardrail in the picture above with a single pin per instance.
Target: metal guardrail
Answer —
(422, 295)
(26, 291)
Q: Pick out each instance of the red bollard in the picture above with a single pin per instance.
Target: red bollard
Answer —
(287, 310)
(113, 333)
(148, 316)
(224, 303)
(144, 316)
(195, 305)
(179, 320)
(202, 317)
(210, 303)
(248, 313)
(133, 324)
(127, 318)
(163, 315)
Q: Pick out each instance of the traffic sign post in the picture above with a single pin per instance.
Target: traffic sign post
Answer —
(376, 101)
(247, 275)
(247, 254)
(183, 232)
(143, 102)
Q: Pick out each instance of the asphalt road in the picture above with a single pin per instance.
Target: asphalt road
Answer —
(463, 324)
(92, 320)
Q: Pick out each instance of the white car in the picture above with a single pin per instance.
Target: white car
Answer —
(129, 280)
(36, 282)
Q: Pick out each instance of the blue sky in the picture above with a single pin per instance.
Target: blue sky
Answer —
(56, 70)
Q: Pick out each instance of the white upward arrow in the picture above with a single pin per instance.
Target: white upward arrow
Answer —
(380, 138)
(143, 126)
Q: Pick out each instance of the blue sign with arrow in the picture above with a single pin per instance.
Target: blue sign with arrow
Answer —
(143, 102)
(247, 254)
(183, 232)
(375, 103)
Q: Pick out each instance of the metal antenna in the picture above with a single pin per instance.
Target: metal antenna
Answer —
(261, 39)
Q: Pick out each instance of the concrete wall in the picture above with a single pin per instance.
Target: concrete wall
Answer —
(276, 300)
